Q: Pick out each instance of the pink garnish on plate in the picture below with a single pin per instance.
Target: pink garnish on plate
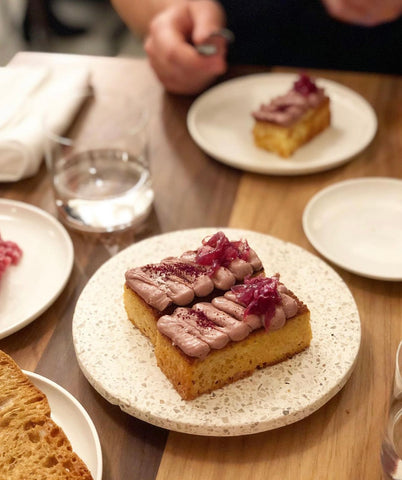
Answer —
(304, 85)
(260, 296)
(218, 250)
(10, 254)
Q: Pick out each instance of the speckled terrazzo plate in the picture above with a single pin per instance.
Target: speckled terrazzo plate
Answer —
(119, 362)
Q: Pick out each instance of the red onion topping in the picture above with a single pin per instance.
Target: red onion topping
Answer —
(217, 251)
(305, 85)
(260, 296)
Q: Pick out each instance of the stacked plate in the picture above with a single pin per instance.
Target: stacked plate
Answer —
(357, 225)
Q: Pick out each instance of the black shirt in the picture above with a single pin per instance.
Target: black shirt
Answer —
(301, 33)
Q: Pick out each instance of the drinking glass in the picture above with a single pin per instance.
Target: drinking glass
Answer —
(100, 167)
(391, 450)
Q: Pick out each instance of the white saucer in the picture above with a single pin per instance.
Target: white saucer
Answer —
(29, 288)
(220, 122)
(120, 363)
(357, 224)
(71, 416)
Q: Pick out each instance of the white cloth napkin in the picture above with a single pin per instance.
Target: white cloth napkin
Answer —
(26, 93)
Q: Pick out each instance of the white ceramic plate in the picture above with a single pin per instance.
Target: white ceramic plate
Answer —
(357, 224)
(220, 122)
(28, 289)
(120, 364)
(71, 416)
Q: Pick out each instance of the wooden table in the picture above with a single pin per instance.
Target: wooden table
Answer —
(339, 441)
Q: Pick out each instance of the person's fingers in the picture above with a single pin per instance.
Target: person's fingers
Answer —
(169, 44)
(342, 9)
(174, 59)
(364, 12)
(207, 17)
(182, 72)
(180, 78)
(173, 52)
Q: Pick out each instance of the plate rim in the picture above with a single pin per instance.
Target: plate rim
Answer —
(145, 413)
(65, 393)
(266, 169)
(5, 332)
(317, 197)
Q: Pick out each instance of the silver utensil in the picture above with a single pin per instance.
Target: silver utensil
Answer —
(209, 47)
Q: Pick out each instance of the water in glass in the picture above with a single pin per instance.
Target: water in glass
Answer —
(103, 190)
(391, 450)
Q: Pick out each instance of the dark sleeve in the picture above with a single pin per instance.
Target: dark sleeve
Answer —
(302, 34)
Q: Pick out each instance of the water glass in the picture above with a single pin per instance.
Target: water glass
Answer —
(391, 451)
(100, 167)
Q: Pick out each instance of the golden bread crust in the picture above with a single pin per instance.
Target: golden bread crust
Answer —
(285, 140)
(32, 445)
(140, 314)
(192, 377)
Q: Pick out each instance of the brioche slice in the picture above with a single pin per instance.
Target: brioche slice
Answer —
(213, 316)
(193, 372)
(32, 445)
(291, 120)
(285, 140)
(192, 377)
(140, 314)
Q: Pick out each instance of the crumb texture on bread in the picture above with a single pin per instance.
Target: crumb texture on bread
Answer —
(290, 120)
(204, 345)
(192, 377)
(286, 140)
(141, 315)
(32, 445)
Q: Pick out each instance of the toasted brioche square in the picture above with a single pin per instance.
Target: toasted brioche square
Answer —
(32, 446)
(285, 140)
(192, 377)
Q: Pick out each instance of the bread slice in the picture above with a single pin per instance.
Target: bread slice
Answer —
(32, 445)
(289, 121)
(213, 337)
(192, 376)
(285, 140)
(140, 314)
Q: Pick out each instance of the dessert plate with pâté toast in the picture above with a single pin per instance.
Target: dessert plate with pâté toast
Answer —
(119, 360)
(291, 141)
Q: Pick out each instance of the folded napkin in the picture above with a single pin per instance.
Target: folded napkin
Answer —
(26, 93)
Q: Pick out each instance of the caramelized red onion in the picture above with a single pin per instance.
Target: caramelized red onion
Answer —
(218, 251)
(260, 296)
(305, 85)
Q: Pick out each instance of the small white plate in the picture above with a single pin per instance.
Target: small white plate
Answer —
(220, 122)
(71, 416)
(357, 224)
(29, 288)
(120, 363)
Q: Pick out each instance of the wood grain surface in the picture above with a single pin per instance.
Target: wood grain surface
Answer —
(342, 439)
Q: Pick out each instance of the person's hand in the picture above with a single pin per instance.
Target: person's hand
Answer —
(364, 12)
(170, 46)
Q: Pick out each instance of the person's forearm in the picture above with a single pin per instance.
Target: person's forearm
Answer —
(137, 14)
